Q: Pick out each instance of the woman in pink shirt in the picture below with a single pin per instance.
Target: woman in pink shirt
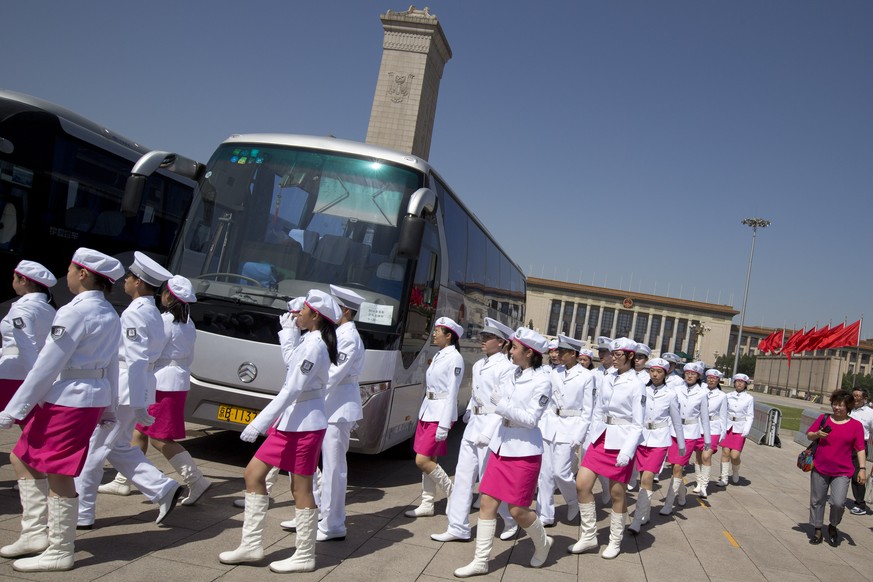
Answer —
(839, 437)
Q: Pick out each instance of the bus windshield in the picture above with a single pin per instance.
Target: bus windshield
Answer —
(272, 222)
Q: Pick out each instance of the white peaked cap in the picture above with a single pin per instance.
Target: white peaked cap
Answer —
(493, 326)
(450, 324)
(346, 297)
(531, 339)
(149, 270)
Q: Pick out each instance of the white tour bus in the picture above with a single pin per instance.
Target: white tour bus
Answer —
(276, 215)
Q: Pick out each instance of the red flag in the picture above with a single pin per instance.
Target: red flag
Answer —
(768, 344)
(826, 342)
(814, 339)
(848, 336)
(791, 345)
(778, 340)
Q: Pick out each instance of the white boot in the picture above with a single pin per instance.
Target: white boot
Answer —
(675, 482)
(442, 481)
(272, 477)
(725, 474)
(34, 519)
(680, 495)
(696, 489)
(484, 540)
(251, 547)
(735, 473)
(587, 529)
(303, 559)
(641, 511)
(704, 481)
(192, 477)
(542, 543)
(118, 486)
(428, 493)
(62, 515)
(616, 532)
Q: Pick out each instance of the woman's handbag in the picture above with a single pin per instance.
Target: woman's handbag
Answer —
(805, 458)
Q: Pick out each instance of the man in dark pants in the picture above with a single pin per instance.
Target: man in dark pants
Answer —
(863, 414)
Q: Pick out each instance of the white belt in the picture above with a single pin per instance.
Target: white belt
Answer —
(437, 395)
(738, 418)
(484, 409)
(713, 416)
(122, 364)
(81, 374)
(167, 362)
(654, 425)
(10, 351)
(509, 424)
(565, 412)
(617, 421)
(311, 395)
(694, 420)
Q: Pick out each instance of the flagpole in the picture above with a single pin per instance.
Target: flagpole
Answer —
(755, 223)
(858, 353)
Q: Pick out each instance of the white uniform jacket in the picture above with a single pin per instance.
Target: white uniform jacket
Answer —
(675, 382)
(443, 381)
(521, 407)
(741, 412)
(24, 330)
(83, 342)
(142, 339)
(488, 373)
(568, 418)
(299, 405)
(662, 415)
(644, 377)
(289, 338)
(618, 410)
(694, 408)
(173, 367)
(718, 412)
(343, 401)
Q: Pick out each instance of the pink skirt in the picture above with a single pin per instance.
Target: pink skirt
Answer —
(169, 413)
(690, 446)
(425, 442)
(733, 441)
(602, 461)
(55, 439)
(295, 452)
(7, 391)
(650, 458)
(713, 442)
(511, 479)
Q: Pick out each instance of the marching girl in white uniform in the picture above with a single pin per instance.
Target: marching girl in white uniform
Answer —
(718, 423)
(694, 409)
(139, 347)
(565, 425)
(343, 408)
(662, 413)
(741, 413)
(516, 452)
(604, 354)
(586, 358)
(25, 327)
(489, 373)
(295, 423)
(173, 380)
(616, 430)
(439, 410)
(71, 388)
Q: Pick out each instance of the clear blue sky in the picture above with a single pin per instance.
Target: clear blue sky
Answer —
(614, 143)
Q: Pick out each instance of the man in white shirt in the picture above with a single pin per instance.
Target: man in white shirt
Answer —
(863, 414)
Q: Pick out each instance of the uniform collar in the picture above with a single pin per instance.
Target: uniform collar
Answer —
(35, 296)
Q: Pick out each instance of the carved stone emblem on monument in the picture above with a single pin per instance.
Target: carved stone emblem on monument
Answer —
(399, 89)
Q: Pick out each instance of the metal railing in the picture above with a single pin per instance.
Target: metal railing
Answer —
(765, 426)
(806, 419)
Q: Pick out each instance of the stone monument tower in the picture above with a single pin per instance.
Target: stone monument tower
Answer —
(414, 52)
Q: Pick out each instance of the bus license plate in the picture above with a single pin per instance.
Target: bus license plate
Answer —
(236, 414)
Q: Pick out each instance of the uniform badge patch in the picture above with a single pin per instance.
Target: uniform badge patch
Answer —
(306, 366)
(130, 332)
(18, 323)
(457, 371)
(543, 400)
(342, 357)
(58, 332)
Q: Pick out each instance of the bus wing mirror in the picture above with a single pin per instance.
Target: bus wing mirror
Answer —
(412, 226)
(133, 190)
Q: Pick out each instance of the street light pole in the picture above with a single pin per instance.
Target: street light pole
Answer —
(755, 223)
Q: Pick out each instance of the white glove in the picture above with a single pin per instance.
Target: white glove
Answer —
(6, 420)
(467, 416)
(287, 320)
(575, 443)
(483, 440)
(249, 434)
(108, 418)
(442, 433)
(143, 417)
(622, 460)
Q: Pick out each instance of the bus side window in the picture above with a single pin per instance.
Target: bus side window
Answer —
(422, 299)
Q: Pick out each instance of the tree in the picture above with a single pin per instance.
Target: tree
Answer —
(746, 365)
(861, 381)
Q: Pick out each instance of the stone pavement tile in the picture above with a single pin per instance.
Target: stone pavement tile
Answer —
(770, 552)
(559, 559)
(856, 557)
(379, 559)
(415, 531)
(780, 576)
(153, 568)
(831, 571)
(454, 555)
(388, 502)
(661, 564)
(359, 530)
(524, 573)
(593, 567)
